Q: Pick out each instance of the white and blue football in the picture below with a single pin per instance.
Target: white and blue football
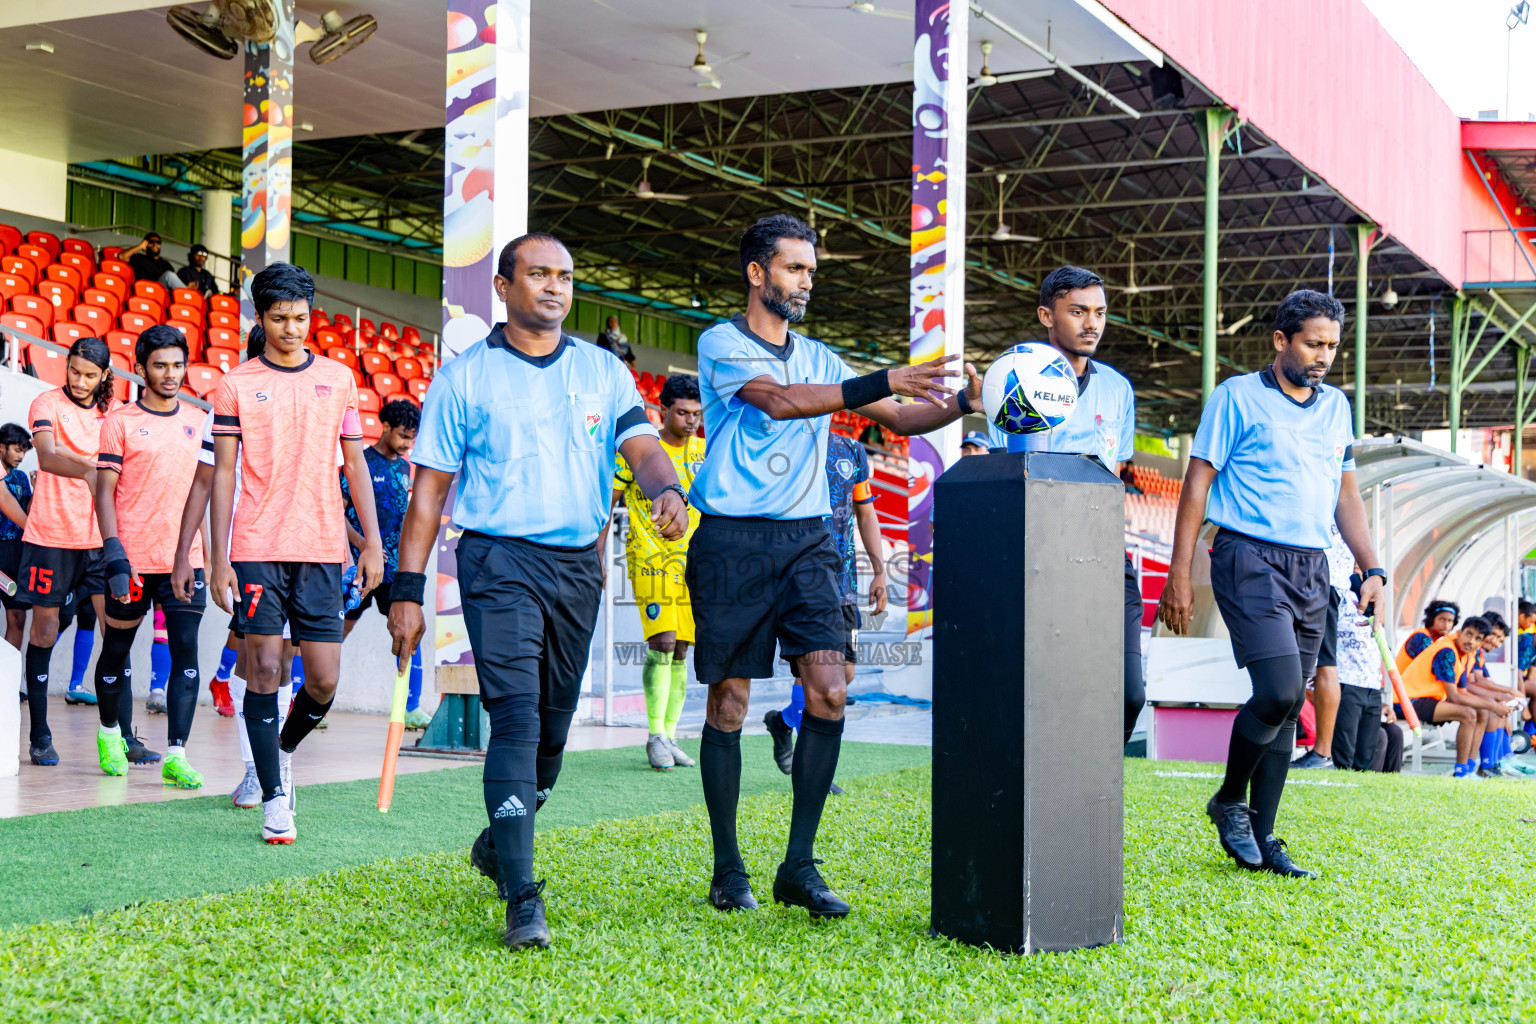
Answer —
(1029, 389)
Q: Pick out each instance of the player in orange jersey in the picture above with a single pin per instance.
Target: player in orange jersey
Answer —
(148, 455)
(280, 416)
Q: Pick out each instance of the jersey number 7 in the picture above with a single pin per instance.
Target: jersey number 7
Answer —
(252, 591)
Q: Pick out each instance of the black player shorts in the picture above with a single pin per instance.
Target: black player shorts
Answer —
(47, 576)
(379, 595)
(529, 610)
(851, 623)
(10, 564)
(1135, 609)
(1328, 651)
(758, 583)
(1273, 598)
(306, 595)
(156, 590)
(1424, 707)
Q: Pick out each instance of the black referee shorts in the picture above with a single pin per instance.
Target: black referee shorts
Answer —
(1273, 598)
(529, 610)
(1135, 610)
(757, 584)
(1328, 651)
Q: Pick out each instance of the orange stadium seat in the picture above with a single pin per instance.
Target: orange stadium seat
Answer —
(67, 332)
(417, 386)
(120, 385)
(46, 240)
(38, 308)
(203, 378)
(188, 297)
(368, 400)
(152, 290)
(225, 304)
(111, 252)
(221, 318)
(39, 256)
(105, 299)
(193, 334)
(79, 247)
(136, 323)
(50, 366)
(405, 396)
(12, 286)
(113, 265)
(374, 362)
(10, 237)
(96, 318)
(182, 311)
(225, 359)
(147, 306)
(58, 293)
(367, 326)
(68, 275)
(121, 342)
(388, 330)
(107, 281)
(80, 262)
(22, 322)
(342, 355)
(327, 339)
(372, 428)
(407, 367)
(19, 266)
(385, 383)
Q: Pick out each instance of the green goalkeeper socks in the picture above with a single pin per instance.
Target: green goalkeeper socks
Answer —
(678, 690)
(655, 678)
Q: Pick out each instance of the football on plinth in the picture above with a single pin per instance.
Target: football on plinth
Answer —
(1029, 389)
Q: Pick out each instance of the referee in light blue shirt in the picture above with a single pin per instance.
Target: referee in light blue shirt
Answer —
(528, 420)
(1273, 456)
(762, 568)
(1074, 311)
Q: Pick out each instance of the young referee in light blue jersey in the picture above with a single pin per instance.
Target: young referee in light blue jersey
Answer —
(762, 568)
(1273, 454)
(1075, 312)
(528, 420)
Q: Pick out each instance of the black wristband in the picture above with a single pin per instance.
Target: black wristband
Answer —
(963, 402)
(866, 390)
(674, 487)
(114, 557)
(409, 586)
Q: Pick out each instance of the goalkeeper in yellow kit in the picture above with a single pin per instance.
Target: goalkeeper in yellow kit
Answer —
(656, 573)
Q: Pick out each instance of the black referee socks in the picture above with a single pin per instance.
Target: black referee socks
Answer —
(816, 751)
(306, 714)
(510, 793)
(36, 667)
(720, 772)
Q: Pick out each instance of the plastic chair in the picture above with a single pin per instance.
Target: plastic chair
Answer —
(117, 284)
(417, 386)
(388, 330)
(368, 400)
(65, 274)
(188, 297)
(406, 367)
(136, 323)
(152, 290)
(23, 322)
(113, 265)
(80, 262)
(122, 342)
(35, 306)
(111, 252)
(372, 428)
(99, 320)
(10, 237)
(368, 326)
(12, 286)
(225, 359)
(192, 332)
(58, 293)
(67, 332)
(46, 240)
(342, 355)
(79, 247)
(120, 384)
(222, 337)
(404, 396)
(39, 256)
(385, 383)
(105, 299)
(19, 266)
(203, 378)
(328, 339)
(374, 362)
(225, 304)
(221, 318)
(147, 306)
(182, 311)
(50, 366)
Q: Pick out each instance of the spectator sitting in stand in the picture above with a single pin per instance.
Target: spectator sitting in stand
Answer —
(147, 264)
(612, 339)
(1129, 479)
(195, 274)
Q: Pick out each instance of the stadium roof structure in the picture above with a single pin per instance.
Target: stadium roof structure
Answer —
(817, 117)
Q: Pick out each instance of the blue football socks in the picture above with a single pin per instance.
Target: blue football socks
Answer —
(791, 714)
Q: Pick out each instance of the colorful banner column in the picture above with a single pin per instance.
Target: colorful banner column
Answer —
(266, 190)
(937, 321)
(485, 206)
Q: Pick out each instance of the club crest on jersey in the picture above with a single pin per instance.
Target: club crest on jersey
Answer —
(323, 390)
(845, 468)
(652, 610)
(190, 432)
(593, 420)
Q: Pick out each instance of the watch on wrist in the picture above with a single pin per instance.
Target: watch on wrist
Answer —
(1381, 573)
(675, 487)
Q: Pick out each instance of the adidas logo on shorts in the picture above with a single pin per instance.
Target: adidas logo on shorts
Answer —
(513, 808)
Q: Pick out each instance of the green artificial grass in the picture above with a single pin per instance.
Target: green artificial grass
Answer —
(1421, 915)
(80, 862)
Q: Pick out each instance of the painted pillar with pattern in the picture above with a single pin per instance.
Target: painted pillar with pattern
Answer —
(937, 296)
(266, 189)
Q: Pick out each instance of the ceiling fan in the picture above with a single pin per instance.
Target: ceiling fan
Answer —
(1158, 364)
(1002, 234)
(986, 77)
(702, 65)
(821, 243)
(644, 190)
(858, 7)
(1131, 287)
(1237, 325)
(1401, 405)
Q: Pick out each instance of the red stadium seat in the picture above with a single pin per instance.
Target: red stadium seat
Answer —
(67, 332)
(388, 330)
(374, 362)
(111, 252)
(105, 299)
(19, 266)
(136, 323)
(367, 326)
(342, 355)
(203, 378)
(225, 359)
(10, 237)
(225, 304)
(406, 367)
(152, 290)
(368, 400)
(193, 334)
(227, 320)
(120, 384)
(80, 247)
(385, 383)
(82, 263)
(112, 265)
(39, 256)
(372, 428)
(117, 284)
(47, 240)
(50, 366)
(57, 292)
(68, 275)
(40, 309)
(121, 342)
(328, 339)
(22, 322)
(99, 320)
(147, 306)
(222, 337)
(404, 396)
(12, 286)
(417, 386)
(188, 297)
(182, 311)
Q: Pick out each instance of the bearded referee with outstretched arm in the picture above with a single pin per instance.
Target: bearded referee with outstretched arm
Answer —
(528, 420)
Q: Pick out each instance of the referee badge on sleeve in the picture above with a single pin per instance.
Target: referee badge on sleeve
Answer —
(1338, 455)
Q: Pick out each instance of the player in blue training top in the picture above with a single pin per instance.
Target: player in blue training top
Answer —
(1075, 313)
(529, 421)
(15, 442)
(1273, 454)
(762, 568)
(391, 475)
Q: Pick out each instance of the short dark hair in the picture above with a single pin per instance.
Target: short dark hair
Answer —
(1477, 624)
(1527, 608)
(1496, 621)
(151, 236)
(506, 263)
(1066, 279)
(1434, 608)
(401, 414)
(1305, 304)
(281, 282)
(679, 385)
(158, 337)
(760, 241)
(15, 433)
(256, 342)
